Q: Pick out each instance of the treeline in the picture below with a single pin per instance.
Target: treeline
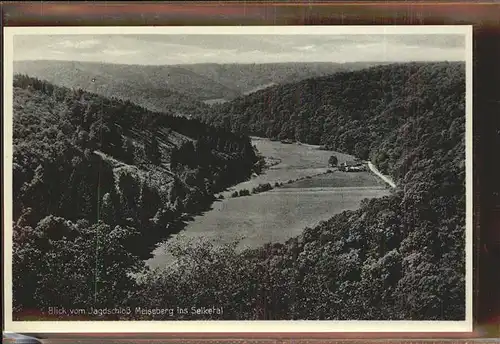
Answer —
(255, 190)
(228, 160)
(399, 257)
(94, 189)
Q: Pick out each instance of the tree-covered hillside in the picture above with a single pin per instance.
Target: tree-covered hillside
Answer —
(398, 257)
(245, 78)
(157, 88)
(178, 89)
(98, 182)
(358, 112)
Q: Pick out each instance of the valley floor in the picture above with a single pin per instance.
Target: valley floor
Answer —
(283, 212)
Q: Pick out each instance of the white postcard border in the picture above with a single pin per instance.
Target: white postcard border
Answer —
(230, 326)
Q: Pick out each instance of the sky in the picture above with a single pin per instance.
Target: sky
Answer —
(186, 49)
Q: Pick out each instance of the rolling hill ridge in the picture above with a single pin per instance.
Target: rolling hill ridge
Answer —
(248, 78)
(157, 88)
(181, 89)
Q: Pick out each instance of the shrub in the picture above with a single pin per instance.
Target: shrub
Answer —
(244, 192)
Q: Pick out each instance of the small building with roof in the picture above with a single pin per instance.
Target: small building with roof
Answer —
(352, 166)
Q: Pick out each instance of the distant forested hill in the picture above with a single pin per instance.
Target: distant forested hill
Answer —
(177, 88)
(398, 257)
(101, 181)
(157, 88)
(245, 78)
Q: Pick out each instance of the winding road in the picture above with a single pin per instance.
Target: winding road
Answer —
(384, 178)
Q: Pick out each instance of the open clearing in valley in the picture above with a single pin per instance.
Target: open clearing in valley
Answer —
(282, 213)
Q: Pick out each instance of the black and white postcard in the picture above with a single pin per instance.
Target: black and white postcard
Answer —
(238, 179)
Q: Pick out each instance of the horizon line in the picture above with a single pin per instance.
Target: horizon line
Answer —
(241, 63)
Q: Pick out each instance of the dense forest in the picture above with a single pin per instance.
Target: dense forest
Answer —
(98, 182)
(180, 89)
(398, 257)
(358, 112)
(156, 88)
(245, 78)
